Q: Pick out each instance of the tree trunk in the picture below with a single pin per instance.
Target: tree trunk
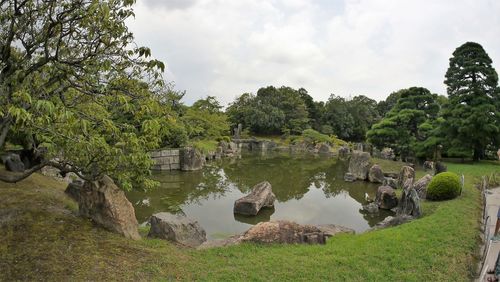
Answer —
(478, 154)
(4, 129)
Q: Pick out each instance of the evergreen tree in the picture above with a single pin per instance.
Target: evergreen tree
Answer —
(472, 117)
(408, 123)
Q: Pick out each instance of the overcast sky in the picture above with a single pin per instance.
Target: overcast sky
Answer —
(225, 48)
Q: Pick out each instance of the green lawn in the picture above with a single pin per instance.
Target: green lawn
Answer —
(42, 239)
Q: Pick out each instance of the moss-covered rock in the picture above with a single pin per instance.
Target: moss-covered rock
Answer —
(444, 186)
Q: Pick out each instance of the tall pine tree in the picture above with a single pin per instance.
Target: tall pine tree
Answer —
(472, 117)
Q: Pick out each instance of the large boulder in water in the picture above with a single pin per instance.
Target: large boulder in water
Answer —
(191, 159)
(376, 175)
(261, 196)
(106, 204)
(359, 164)
(421, 186)
(13, 163)
(284, 232)
(405, 173)
(176, 228)
(386, 198)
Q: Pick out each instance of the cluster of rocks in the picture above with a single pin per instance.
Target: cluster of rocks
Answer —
(226, 150)
(407, 207)
(361, 168)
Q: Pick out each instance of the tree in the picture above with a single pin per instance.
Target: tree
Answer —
(204, 119)
(338, 117)
(409, 122)
(364, 114)
(73, 88)
(271, 111)
(314, 109)
(471, 116)
(384, 107)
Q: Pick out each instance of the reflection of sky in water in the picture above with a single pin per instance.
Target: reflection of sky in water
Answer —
(309, 191)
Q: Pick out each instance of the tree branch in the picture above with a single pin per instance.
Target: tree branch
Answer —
(16, 177)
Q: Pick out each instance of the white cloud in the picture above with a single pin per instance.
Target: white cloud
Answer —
(370, 47)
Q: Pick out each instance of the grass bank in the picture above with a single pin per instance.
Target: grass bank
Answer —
(42, 239)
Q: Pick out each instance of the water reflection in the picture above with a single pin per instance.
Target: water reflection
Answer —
(309, 190)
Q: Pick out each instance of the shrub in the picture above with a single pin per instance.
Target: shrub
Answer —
(444, 186)
(314, 137)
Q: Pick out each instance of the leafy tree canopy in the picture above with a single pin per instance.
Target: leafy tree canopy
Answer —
(271, 111)
(408, 123)
(77, 92)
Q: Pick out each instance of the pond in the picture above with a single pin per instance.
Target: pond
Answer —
(309, 190)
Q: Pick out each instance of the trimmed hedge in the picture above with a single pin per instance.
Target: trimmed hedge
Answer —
(444, 186)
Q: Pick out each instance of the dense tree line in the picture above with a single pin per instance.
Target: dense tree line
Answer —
(413, 121)
(290, 111)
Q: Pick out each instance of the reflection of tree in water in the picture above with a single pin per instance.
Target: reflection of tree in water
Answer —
(290, 175)
(178, 188)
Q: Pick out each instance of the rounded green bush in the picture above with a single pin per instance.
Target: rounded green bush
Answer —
(444, 186)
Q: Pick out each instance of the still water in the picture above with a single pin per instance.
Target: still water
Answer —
(309, 190)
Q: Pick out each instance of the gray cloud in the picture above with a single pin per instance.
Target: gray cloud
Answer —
(225, 48)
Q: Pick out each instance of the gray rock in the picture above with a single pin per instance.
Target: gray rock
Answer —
(191, 159)
(343, 152)
(387, 154)
(176, 228)
(13, 163)
(391, 182)
(349, 177)
(409, 204)
(393, 221)
(405, 173)
(106, 204)
(386, 198)
(421, 186)
(428, 165)
(261, 196)
(439, 167)
(324, 148)
(375, 174)
(73, 190)
(359, 164)
(331, 229)
(370, 208)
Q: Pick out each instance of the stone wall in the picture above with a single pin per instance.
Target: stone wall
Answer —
(167, 159)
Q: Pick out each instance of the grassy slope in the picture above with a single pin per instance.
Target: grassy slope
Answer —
(42, 239)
